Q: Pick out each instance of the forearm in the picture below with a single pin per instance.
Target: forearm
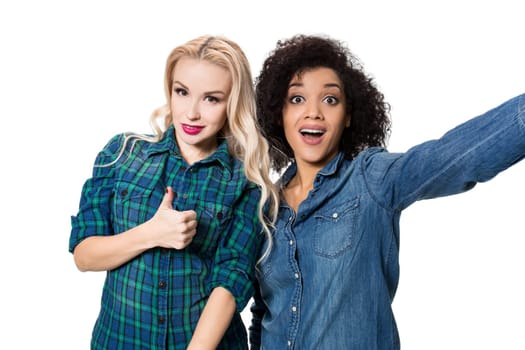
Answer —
(472, 152)
(101, 253)
(214, 321)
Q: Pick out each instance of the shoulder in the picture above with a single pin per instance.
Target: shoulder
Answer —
(121, 148)
(376, 156)
(372, 152)
(230, 168)
(123, 145)
(113, 146)
(238, 174)
(371, 162)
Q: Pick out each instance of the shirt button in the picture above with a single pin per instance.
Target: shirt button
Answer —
(296, 275)
(294, 309)
(164, 251)
(124, 192)
(335, 215)
(289, 343)
(291, 242)
(185, 196)
(219, 215)
(161, 319)
(162, 284)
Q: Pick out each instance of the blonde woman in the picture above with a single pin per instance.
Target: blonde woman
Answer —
(176, 219)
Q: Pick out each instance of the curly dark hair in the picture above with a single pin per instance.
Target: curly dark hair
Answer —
(370, 120)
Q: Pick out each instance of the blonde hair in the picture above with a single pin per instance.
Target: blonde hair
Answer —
(241, 131)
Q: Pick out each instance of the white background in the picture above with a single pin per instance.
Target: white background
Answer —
(74, 73)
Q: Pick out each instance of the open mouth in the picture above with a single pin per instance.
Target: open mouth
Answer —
(312, 136)
(312, 132)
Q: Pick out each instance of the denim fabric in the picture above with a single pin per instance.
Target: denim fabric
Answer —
(333, 270)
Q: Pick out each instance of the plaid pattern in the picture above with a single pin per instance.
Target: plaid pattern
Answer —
(154, 301)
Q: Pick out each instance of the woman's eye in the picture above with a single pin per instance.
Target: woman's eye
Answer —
(331, 100)
(211, 99)
(296, 99)
(181, 91)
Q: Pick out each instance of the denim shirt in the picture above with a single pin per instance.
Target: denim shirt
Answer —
(332, 272)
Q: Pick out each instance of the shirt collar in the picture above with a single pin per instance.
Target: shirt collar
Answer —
(329, 169)
(169, 144)
(333, 165)
(166, 143)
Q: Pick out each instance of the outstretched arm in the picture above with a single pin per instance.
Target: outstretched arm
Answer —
(472, 152)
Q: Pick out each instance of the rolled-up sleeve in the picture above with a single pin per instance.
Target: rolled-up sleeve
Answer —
(237, 252)
(94, 213)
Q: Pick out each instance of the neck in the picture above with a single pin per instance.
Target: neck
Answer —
(194, 153)
(300, 185)
(305, 175)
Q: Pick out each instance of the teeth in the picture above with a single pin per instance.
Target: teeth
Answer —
(311, 131)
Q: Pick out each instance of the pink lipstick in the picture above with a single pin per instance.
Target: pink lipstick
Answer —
(191, 129)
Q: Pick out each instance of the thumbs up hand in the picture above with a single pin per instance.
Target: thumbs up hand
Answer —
(171, 228)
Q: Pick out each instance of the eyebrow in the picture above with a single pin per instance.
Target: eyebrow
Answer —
(328, 85)
(220, 92)
(213, 92)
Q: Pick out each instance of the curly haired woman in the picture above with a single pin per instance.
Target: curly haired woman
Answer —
(330, 276)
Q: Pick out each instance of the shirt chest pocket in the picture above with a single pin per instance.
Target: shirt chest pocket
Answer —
(213, 220)
(131, 206)
(335, 228)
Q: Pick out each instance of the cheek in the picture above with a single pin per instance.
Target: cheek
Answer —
(290, 135)
(288, 119)
(216, 115)
(223, 121)
(176, 106)
(287, 126)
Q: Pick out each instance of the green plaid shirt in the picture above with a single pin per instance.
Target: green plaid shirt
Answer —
(154, 301)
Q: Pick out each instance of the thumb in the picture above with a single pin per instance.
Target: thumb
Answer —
(167, 200)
